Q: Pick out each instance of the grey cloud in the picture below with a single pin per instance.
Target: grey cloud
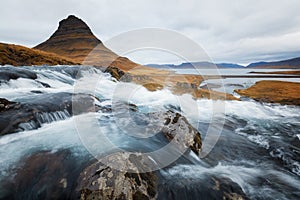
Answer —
(231, 31)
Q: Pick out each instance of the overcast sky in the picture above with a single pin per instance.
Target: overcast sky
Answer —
(239, 31)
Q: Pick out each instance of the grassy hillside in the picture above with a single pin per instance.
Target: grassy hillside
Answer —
(17, 55)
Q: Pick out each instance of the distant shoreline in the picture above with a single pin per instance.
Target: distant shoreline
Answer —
(296, 72)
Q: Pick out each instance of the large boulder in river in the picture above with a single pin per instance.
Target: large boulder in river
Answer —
(129, 175)
(176, 127)
(170, 127)
(102, 181)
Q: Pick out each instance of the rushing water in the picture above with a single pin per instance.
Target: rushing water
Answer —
(259, 145)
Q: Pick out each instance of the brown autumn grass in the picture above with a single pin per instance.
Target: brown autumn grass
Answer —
(155, 79)
(150, 78)
(17, 55)
(274, 92)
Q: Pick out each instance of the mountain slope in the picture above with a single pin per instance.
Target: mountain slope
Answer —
(74, 39)
(293, 63)
(19, 55)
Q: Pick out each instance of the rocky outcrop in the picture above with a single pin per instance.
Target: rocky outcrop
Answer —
(168, 127)
(43, 108)
(114, 72)
(125, 175)
(184, 134)
(100, 181)
(17, 55)
(6, 105)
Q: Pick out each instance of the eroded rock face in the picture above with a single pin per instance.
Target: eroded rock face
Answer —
(103, 181)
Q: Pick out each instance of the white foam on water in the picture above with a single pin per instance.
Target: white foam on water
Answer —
(51, 137)
(63, 134)
(55, 79)
(246, 177)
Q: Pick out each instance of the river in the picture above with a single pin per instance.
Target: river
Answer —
(258, 147)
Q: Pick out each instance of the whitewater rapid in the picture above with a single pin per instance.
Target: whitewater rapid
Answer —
(258, 147)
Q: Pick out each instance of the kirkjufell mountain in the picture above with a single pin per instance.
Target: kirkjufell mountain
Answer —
(73, 43)
(74, 40)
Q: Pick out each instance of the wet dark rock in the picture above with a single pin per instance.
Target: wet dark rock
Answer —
(36, 91)
(6, 105)
(178, 128)
(44, 175)
(46, 85)
(207, 187)
(118, 74)
(129, 180)
(42, 108)
(169, 126)
(7, 73)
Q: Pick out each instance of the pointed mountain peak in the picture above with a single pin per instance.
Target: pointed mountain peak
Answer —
(73, 20)
(73, 25)
(74, 40)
